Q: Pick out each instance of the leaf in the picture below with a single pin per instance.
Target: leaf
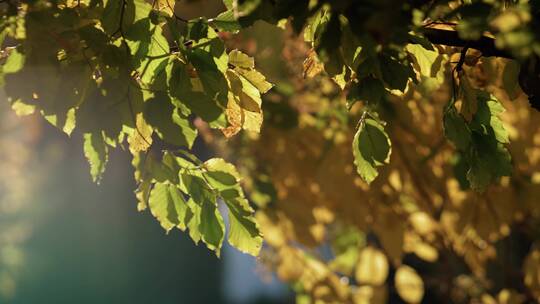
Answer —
(372, 267)
(149, 48)
(168, 206)
(241, 60)
(429, 61)
(207, 223)
(221, 175)
(312, 65)
(115, 19)
(255, 78)
(395, 73)
(245, 67)
(487, 117)
(194, 221)
(409, 284)
(489, 161)
(166, 7)
(96, 152)
(243, 107)
(142, 193)
(212, 227)
(22, 109)
(226, 22)
(168, 123)
(371, 149)
(228, 3)
(369, 90)
(426, 252)
(110, 19)
(14, 62)
(457, 130)
(244, 233)
(209, 59)
(369, 294)
(141, 137)
(184, 94)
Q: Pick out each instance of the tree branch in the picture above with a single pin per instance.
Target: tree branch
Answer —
(486, 45)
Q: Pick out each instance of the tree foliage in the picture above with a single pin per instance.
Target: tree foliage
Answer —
(395, 156)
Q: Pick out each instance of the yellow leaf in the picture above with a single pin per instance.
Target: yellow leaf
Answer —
(370, 295)
(243, 106)
(141, 137)
(426, 252)
(509, 296)
(409, 285)
(312, 65)
(166, 7)
(422, 223)
(372, 267)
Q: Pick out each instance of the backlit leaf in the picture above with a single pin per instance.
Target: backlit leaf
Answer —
(96, 152)
(168, 206)
(371, 149)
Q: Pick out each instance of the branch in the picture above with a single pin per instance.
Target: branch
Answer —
(486, 45)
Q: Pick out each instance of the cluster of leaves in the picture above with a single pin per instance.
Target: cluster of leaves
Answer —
(391, 79)
(121, 71)
(483, 157)
(184, 192)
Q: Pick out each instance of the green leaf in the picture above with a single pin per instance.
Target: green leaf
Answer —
(22, 109)
(206, 224)
(228, 3)
(113, 14)
(487, 118)
(168, 206)
(220, 174)
(244, 233)
(369, 89)
(226, 22)
(168, 123)
(198, 29)
(111, 106)
(395, 73)
(210, 70)
(110, 18)
(14, 63)
(457, 130)
(239, 59)
(182, 88)
(194, 221)
(255, 78)
(96, 152)
(212, 227)
(489, 160)
(149, 48)
(428, 61)
(244, 66)
(371, 149)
